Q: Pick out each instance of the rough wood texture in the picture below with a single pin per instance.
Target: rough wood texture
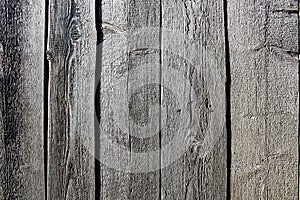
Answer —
(144, 103)
(263, 38)
(160, 120)
(188, 89)
(114, 184)
(72, 57)
(21, 99)
(129, 102)
(193, 65)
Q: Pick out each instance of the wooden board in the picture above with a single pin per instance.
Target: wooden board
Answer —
(72, 57)
(193, 68)
(21, 99)
(113, 184)
(263, 38)
(129, 101)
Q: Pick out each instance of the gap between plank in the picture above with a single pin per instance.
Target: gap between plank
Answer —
(98, 23)
(228, 106)
(160, 93)
(46, 96)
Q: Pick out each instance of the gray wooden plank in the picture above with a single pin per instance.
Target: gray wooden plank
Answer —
(193, 69)
(263, 38)
(129, 104)
(145, 98)
(114, 184)
(72, 57)
(22, 27)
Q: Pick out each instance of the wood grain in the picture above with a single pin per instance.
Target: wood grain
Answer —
(129, 102)
(72, 57)
(263, 38)
(193, 47)
(145, 96)
(22, 27)
(114, 184)
(159, 76)
(192, 176)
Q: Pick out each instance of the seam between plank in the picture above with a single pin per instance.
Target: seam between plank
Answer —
(46, 96)
(228, 100)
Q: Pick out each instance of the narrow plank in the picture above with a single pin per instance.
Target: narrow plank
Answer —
(22, 27)
(145, 100)
(129, 99)
(114, 183)
(263, 37)
(72, 57)
(194, 109)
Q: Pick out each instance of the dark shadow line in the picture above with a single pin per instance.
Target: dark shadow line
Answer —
(228, 101)
(98, 67)
(46, 96)
(100, 36)
(160, 92)
(97, 143)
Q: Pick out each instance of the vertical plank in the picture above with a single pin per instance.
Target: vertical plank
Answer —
(72, 56)
(263, 38)
(21, 99)
(145, 98)
(129, 100)
(114, 183)
(193, 69)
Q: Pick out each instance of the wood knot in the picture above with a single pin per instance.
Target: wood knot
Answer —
(75, 32)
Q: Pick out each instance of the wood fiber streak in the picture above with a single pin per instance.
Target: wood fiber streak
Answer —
(129, 102)
(263, 38)
(72, 57)
(193, 50)
(21, 99)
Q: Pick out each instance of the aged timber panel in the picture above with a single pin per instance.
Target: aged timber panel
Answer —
(193, 69)
(189, 102)
(21, 99)
(130, 100)
(263, 38)
(72, 57)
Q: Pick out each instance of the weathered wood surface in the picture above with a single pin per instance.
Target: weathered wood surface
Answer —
(139, 96)
(21, 99)
(129, 101)
(72, 57)
(193, 65)
(160, 80)
(263, 38)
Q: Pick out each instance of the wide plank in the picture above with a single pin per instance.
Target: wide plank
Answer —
(72, 58)
(194, 137)
(130, 100)
(263, 39)
(22, 169)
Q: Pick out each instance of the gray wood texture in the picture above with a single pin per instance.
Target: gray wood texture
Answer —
(159, 81)
(22, 27)
(263, 38)
(131, 43)
(137, 52)
(193, 47)
(72, 58)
